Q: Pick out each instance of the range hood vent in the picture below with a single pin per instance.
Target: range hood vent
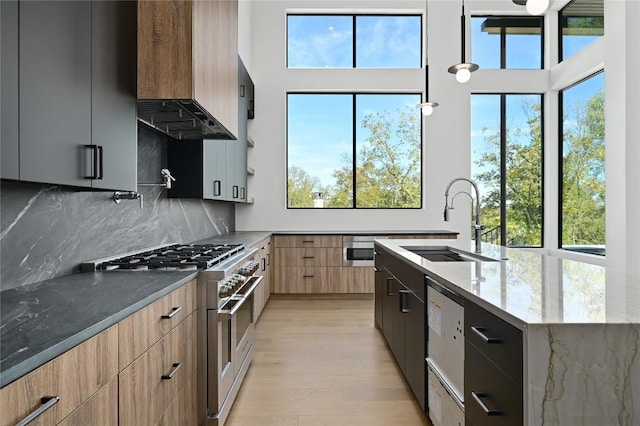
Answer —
(181, 119)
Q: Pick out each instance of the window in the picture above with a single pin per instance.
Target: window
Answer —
(581, 23)
(358, 41)
(354, 150)
(507, 42)
(582, 221)
(506, 137)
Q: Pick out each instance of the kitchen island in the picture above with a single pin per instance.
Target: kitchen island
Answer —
(580, 328)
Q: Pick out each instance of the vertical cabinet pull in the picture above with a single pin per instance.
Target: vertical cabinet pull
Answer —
(476, 397)
(389, 293)
(479, 331)
(268, 258)
(243, 193)
(96, 162)
(174, 369)
(235, 191)
(173, 312)
(403, 301)
(217, 185)
(46, 402)
(264, 263)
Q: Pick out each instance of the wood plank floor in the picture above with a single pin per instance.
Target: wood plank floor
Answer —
(322, 362)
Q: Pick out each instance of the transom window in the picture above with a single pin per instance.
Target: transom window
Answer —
(354, 41)
(507, 42)
(581, 23)
(355, 150)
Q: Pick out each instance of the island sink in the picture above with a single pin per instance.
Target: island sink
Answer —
(446, 254)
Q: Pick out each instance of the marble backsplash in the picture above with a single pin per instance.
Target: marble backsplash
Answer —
(47, 231)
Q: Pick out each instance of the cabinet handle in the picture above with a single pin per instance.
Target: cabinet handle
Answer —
(173, 312)
(487, 411)
(97, 166)
(307, 241)
(176, 366)
(243, 193)
(242, 90)
(269, 258)
(403, 301)
(308, 257)
(479, 332)
(217, 186)
(389, 293)
(264, 263)
(46, 402)
(376, 269)
(235, 191)
(308, 276)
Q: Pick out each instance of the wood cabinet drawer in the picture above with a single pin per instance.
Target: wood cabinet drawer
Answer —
(73, 376)
(307, 280)
(183, 409)
(358, 279)
(307, 241)
(99, 410)
(490, 397)
(288, 256)
(498, 341)
(152, 381)
(139, 331)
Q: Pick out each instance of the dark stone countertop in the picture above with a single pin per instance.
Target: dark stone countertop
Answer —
(43, 320)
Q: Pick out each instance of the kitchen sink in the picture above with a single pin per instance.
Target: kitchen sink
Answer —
(446, 254)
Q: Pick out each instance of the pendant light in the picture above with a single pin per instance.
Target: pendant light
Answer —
(426, 106)
(464, 69)
(534, 7)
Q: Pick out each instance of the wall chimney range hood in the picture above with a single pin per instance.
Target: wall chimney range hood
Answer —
(181, 119)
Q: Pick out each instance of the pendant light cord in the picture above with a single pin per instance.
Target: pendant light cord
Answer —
(462, 35)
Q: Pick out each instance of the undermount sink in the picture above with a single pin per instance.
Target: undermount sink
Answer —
(447, 254)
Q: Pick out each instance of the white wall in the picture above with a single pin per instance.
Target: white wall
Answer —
(446, 150)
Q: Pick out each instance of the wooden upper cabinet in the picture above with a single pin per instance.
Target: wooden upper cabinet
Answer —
(187, 50)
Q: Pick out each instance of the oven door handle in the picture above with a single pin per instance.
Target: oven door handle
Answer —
(228, 314)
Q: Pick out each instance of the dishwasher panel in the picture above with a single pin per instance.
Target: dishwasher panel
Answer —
(445, 315)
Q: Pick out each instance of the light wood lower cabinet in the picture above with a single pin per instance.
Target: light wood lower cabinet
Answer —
(73, 377)
(358, 279)
(155, 379)
(307, 280)
(262, 293)
(100, 410)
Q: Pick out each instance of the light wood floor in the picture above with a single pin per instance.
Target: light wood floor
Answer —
(322, 362)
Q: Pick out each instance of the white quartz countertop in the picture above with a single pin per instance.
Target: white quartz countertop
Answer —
(525, 288)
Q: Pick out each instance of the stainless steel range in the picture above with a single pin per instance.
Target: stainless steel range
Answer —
(226, 281)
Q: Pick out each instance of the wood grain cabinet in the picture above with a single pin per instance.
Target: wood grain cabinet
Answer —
(83, 379)
(307, 264)
(158, 360)
(187, 50)
(262, 293)
(68, 93)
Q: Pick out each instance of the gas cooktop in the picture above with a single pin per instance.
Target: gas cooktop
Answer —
(170, 257)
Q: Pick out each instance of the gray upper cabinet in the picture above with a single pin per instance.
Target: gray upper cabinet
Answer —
(55, 91)
(9, 72)
(75, 94)
(113, 85)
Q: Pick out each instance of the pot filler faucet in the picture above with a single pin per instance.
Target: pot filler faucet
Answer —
(478, 226)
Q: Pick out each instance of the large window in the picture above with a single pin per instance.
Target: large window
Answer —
(359, 41)
(581, 23)
(582, 222)
(507, 42)
(506, 137)
(354, 151)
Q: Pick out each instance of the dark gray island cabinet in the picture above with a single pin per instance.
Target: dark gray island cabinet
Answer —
(546, 340)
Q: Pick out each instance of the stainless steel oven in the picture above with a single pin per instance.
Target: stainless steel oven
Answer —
(358, 249)
(228, 333)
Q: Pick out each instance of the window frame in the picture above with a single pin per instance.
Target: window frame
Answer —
(504, 19)
(561, 165)
(354, 149)
(560, 28)
(354, 37)
(503, 164)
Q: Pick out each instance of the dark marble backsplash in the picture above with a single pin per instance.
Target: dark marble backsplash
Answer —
(47, 231)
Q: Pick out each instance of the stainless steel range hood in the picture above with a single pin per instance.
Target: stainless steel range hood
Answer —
(181, 119)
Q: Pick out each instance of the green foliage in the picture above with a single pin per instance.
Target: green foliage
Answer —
(387, 170)
(583, 195)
